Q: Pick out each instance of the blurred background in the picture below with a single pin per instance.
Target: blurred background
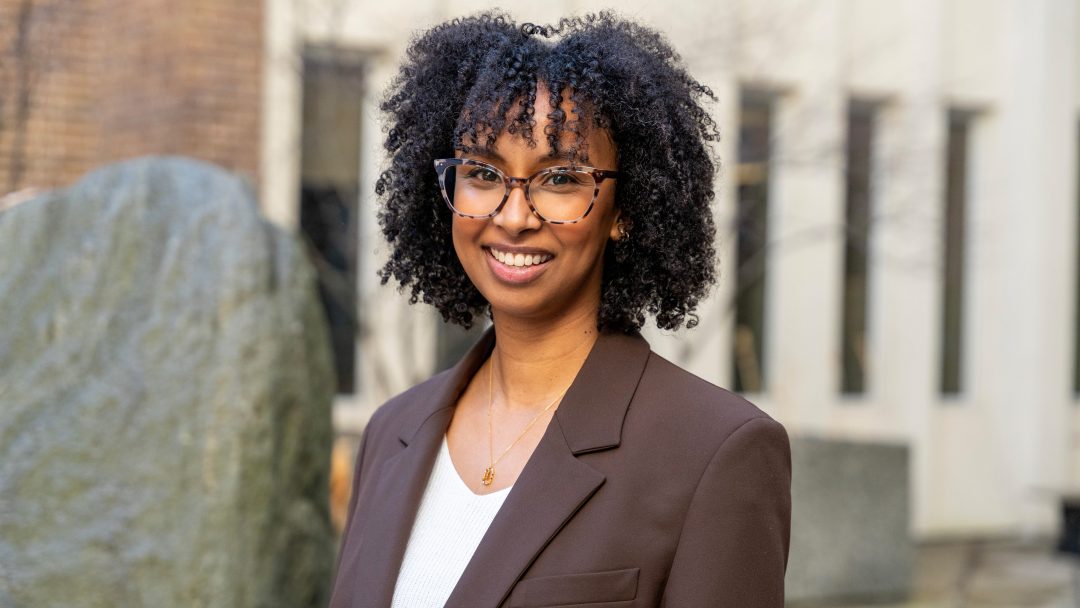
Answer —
(899, 243)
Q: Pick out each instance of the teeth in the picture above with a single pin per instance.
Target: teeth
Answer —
(520, 259)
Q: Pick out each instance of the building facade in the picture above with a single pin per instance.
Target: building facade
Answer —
(898, 202)
(899, 218)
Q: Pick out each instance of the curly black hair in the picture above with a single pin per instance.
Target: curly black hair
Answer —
(456, 88)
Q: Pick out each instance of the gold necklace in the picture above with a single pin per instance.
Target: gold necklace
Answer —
(489, 473)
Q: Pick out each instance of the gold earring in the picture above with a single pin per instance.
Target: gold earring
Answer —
(624, 232)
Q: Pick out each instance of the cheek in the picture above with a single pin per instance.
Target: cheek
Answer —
(465, 234)
(588, 243)
(455, 236)
(459, 234)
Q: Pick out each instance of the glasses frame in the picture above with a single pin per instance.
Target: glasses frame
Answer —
(598, 175)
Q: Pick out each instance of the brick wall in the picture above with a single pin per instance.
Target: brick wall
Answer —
(94, 81)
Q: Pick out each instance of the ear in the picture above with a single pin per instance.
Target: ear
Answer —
(620, 228)
(615, 233)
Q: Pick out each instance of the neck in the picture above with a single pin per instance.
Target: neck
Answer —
(534, 363)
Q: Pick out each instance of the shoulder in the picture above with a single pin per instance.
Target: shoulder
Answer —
(694, 413)
(724, 468)
(405, 410)
(409, 401)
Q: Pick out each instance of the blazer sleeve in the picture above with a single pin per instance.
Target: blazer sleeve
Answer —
(733, 548)
(357, 467)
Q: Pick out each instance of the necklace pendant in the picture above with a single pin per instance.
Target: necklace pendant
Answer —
(489, 476)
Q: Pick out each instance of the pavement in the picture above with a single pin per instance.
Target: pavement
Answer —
(987, 574)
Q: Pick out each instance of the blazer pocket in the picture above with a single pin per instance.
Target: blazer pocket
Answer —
(580, 588)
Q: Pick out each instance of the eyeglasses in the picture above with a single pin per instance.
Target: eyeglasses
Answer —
(558, 195)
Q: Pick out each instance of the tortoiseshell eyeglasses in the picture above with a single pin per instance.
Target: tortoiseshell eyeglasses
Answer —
(559, 195)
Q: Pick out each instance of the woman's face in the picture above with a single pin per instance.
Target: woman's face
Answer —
(563, 280)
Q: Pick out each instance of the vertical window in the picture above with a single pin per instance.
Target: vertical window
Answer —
(860, 139)
(329, 188)
(755, 118)
(1076, 279)
(956, 176)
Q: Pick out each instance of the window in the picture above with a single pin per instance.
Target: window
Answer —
(956, 176)
(1076, 280)
(329, 188)
(755, 117)
(860, 140)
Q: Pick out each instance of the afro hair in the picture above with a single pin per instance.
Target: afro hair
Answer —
(458, 85)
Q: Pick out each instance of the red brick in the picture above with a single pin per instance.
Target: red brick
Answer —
(122, 78)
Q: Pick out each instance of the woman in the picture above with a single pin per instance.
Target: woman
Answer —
(558, 180)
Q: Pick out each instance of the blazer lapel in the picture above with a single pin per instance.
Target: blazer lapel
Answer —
(554, 484)
(397, 493)
(401, 481)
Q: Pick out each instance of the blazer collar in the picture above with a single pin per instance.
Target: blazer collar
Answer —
(452, 383)
(591, 412)
(553, 486)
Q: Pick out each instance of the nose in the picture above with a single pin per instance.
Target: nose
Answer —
(516, 216)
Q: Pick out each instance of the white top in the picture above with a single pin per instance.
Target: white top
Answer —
(449, 525)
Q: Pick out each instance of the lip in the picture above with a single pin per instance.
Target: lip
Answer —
(516, 275)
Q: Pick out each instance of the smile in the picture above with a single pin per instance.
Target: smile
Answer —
(519, 259)
(516, 267)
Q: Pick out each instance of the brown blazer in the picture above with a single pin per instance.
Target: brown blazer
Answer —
(650, 487)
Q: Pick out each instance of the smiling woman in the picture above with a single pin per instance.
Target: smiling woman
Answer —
(561, 462)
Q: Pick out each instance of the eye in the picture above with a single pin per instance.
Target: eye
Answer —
(483, 174)
(562, 178)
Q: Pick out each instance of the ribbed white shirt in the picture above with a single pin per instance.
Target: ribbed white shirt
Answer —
(449, 525)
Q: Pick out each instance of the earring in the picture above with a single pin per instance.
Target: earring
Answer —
(624, 232)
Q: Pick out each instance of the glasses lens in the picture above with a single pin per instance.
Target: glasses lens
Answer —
(473, 189)
(562, 194)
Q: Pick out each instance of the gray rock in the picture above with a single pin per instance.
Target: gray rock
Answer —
(165, 394)
(850, 522)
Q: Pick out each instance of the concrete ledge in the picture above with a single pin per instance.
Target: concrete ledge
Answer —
(850, 521)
